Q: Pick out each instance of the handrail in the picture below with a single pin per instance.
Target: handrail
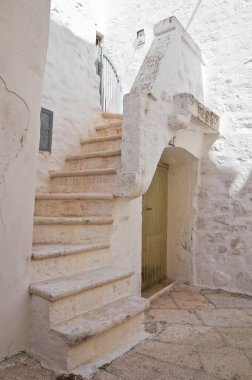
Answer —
(112, 66)
(110, 89)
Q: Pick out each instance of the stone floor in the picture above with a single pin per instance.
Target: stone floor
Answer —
(194, 334)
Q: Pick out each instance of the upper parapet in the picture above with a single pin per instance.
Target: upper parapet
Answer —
(169, 24)
(172, 65)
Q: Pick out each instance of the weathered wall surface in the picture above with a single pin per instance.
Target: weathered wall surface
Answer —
(71, 86)
(126, 242)
(220, 252)
(24, 28)
(182, 186)
(222, 234)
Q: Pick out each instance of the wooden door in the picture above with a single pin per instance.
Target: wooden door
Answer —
(154, 230)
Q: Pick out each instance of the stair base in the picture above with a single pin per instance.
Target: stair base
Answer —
(64, 351)
(93, 367)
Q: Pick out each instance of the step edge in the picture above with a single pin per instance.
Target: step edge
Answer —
(82, 173)
(108, 124)
(44, 220)
(72, 339)
(108, 115)
(109, 153)
(74, 196)
(100, 139)
(33, 290)
(68, 252)
(89, 369)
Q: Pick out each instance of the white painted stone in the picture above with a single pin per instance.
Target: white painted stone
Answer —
(24, 29)
(102, 333)
(71, 86)
(221, 279)
(158, 97)
(222, 30)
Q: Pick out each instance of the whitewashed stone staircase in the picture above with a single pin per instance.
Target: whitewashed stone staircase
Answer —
(82, 312)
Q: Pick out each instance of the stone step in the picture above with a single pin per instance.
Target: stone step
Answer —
(108, 127)
(100, 329)
(58, 260)
(73, 204)
(70, 296)
(109, 115)
(95, 160)
(102, 143)
(95, 180)
(75, 346)
(59, 230)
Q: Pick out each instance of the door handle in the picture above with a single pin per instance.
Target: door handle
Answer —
(148, 208)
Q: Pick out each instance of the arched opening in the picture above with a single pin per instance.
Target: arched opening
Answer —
(167, 220)
(154, 230)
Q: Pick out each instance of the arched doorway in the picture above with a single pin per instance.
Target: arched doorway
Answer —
(154, 230)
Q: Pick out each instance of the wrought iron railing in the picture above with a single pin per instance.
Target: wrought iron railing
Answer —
(110, 85)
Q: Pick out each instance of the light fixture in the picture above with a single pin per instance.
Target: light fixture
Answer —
(140, 37)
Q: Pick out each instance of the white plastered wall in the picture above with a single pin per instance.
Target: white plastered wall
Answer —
(221, 254)
(221, 236)
(71, 86)
(24, 29)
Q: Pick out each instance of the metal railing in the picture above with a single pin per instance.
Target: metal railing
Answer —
(110, 85)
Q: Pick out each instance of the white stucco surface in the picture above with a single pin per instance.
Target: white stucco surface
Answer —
(71, 86)
(222, 31)
(222, 237)
(24, 28)
(209, 200)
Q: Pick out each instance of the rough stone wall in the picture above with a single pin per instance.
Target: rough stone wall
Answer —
(222, 233)
(24, 29)
(71, 86)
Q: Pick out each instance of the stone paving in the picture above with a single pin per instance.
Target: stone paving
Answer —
(194, 335)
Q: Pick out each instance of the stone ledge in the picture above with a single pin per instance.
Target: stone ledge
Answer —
(100, 320)
(187, 106)
(53, 290)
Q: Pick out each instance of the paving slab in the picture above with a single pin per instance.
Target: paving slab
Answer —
(185, 288)
(175, 316)
(191, 300)
(22, 367)
(226, 363)
(103, 375)
(134, 366)
(202, 375)
(195, 334)
(163, 303)
(237, 337)
(229, 301)
(192, 335)
(248, 353)
(224, 317)
(186, 356)
(248, 311)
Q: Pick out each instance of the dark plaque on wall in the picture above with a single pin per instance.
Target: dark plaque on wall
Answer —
(46, 126)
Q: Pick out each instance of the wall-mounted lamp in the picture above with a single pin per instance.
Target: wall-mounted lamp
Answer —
(140, 37)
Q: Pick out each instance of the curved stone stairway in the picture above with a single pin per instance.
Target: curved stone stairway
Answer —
(82, 312)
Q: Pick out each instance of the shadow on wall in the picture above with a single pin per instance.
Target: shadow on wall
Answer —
(210, 218)
(182, 189)
(224, 223)
(71, 91)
